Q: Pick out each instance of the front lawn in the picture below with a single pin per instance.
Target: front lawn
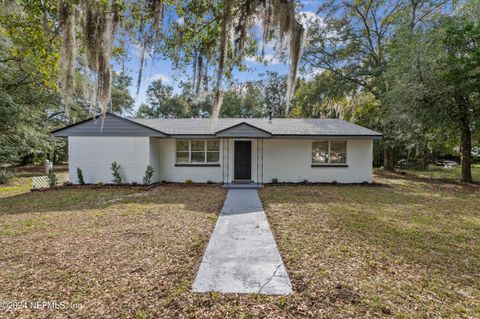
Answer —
(115, 252)
(410, 249)
(407, 249)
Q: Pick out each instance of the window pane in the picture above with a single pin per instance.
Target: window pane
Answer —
(213, 157)
(182, 157)
(198, 145)
(320, 152)
(213, 146)
(198, 157)
(338, 152)
(182, 146)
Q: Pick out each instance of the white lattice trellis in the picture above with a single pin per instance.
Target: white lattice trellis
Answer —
(40, 182)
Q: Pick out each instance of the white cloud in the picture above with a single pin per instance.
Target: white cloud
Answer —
(268, 58)
(159, 76)
(311, 73)
(138, 50)
(309, 17)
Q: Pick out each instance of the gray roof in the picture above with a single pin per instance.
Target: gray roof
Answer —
(205, 126)
(114, 125)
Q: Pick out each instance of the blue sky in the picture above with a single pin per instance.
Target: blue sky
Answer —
(162, 69)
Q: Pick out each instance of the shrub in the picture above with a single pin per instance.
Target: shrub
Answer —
(209, 182)
(52, 178)
(117, 179)
(274, 180)
(80, 179)
(148, 175)
(188, 181)
(5, 176)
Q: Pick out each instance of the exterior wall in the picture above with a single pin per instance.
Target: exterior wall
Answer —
(165, 161)
(94, 156)
(155, 159)
(243, 130)
(111, 125)
(289, 160)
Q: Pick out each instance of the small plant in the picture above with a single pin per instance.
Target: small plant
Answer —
(80, 179)
(5, 176)
(282, 303)
(148, 175)
(188, 181)
(117, 179)
(52, 178)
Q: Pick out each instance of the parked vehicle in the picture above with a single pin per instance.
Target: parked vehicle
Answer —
(446, 163)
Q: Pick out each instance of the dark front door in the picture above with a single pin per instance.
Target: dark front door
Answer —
(243, 160)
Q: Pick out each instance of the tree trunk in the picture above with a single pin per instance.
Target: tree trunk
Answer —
(388, 158)
(466, 148)
(465, 140)
(425, 157)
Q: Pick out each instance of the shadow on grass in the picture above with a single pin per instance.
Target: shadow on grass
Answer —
(193, 198)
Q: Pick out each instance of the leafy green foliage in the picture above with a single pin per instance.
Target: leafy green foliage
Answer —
(5, 176)
(147, 178)
(80, 179)
(122, 101)
(52, 178)
(115, 168)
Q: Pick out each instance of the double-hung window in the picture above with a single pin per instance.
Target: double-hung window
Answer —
(329, 152)
(197, 152)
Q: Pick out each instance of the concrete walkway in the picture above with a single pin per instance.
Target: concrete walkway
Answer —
(242, 256)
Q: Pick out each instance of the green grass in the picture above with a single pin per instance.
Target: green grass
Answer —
(436, 172)
(22, 182)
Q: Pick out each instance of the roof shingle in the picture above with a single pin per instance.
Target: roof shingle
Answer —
(205, 126)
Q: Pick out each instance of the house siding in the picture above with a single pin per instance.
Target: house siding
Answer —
(94, 156)
(243, 130)
(164, 159)
(287, 160)
(109, 126)
(291, 161)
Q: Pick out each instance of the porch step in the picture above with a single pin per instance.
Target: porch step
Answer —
(243, 186)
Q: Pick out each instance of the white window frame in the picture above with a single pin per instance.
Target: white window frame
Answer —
(328, 154)
(205, 151)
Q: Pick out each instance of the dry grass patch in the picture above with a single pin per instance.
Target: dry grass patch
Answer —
(411, 250)
(116, 252)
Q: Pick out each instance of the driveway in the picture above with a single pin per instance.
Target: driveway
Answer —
(242, 256)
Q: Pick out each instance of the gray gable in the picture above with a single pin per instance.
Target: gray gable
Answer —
(111, 125)
(243, 130)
